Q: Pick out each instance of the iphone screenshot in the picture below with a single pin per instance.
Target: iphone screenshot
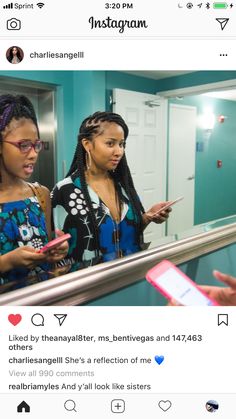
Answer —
(117, 209)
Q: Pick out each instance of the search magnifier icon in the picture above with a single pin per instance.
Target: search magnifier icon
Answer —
(70, 405)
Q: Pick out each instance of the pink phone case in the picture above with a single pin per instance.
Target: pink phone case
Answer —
(54, 243)
(153, 274)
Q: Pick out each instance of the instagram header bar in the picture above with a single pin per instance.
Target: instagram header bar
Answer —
(121, 19)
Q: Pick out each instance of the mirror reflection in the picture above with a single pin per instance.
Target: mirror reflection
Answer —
(180, 143)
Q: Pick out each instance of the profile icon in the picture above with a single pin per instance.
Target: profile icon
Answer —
(212, 406)
(14, 55)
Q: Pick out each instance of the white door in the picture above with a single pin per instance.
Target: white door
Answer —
(181, 166)
(146, 117)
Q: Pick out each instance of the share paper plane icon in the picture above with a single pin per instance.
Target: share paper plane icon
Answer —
(222, 21)
(61, 318)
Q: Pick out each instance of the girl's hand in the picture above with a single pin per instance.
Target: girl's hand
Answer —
(156, 215)
(59, 252)
(225, 296)
(25, 256)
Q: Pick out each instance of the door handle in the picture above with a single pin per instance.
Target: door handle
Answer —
(191, 177)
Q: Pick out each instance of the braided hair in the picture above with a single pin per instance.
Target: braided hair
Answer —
(90, 127)
(15, 107)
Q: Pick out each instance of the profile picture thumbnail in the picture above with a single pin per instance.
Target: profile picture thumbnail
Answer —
(212, 406)
(14, 55)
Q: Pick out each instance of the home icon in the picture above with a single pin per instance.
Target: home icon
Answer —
(23, 407)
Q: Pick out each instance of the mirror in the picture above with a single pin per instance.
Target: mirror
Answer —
(215, 127)
(215, 153)
(200, 146)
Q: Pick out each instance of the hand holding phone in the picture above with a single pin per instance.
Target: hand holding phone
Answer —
(55, 243)
(174, 284)
(169, 205)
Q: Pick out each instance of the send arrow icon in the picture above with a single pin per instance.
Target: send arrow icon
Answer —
(222, 21)
(61, 318)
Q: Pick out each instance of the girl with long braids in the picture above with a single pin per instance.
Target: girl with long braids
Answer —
(97, 202)
(24, 227)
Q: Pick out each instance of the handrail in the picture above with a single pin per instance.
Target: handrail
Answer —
(93, 282)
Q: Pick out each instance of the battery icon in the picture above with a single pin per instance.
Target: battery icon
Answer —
(219, 5)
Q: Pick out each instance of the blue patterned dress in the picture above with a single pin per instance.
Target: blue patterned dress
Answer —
(22, 223)
(71, 214)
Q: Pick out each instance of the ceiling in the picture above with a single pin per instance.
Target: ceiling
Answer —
(157, 75)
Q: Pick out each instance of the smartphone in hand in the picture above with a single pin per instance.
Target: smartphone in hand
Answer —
(174, 284)
(169, 205)
(55, 242)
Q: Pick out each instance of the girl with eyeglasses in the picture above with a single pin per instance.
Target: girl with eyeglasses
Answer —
(24, 227)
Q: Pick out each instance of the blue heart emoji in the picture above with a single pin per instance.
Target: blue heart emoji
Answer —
(159, 359)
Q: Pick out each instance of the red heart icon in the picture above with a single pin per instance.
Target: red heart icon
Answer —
(14, 319)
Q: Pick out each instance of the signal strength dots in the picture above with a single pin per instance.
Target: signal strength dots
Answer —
(8, 6)
(40, 5)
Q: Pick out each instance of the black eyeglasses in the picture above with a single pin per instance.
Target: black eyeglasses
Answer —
(25, 146)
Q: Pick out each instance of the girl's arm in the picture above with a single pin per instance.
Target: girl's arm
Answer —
(24, 256)
(29, 257)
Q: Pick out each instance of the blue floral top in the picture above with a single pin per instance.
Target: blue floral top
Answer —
(71, 214)
(22, 223)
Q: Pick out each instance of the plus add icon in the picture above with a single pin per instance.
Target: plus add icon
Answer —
(117, 406)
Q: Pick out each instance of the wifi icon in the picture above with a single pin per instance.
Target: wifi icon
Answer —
(40, 5)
